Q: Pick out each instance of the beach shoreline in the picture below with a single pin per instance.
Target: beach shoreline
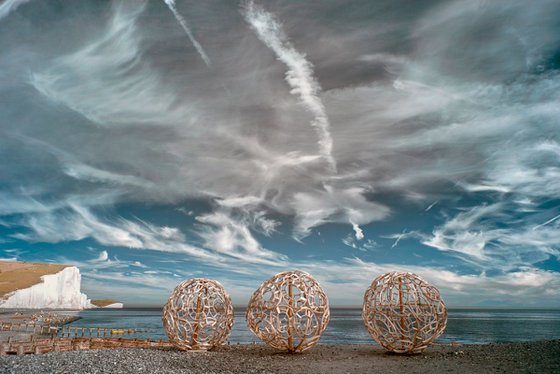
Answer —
(523, 357)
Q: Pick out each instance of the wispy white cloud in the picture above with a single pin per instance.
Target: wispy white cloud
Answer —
(9, 6)
(358, 231)
(183, 22)
(397, 238)
(531, 169)
(77, 222)
(74, 168)
(346, 280)
(547, 222)
(527, 285)
(102, 262)
(9, 259)
(355, 243)
(103, 256)
(334, 205)
(20, 202)
(463, 234)
(108, 81)
(484, 188)
(300, 74)
(429, 207)
(231, 236)
(489, 237)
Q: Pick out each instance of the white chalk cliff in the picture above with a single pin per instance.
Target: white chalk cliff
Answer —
(113, 306)
(60, 290)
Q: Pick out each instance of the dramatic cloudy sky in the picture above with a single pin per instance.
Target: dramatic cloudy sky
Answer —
(150, 141)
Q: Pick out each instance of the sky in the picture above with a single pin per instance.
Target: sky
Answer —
(148, 142)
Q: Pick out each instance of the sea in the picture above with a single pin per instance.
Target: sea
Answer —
(468, 326)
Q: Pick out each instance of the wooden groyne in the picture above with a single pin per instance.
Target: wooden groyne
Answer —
(30, 327)
(42, 335)
(38, 346)
(97, 332)
(67, 331)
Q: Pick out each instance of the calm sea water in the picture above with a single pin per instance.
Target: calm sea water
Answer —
(474, 326)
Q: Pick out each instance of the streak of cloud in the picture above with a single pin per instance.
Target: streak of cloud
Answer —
(183, 22)
(547, 222)
(9, 6)
(300, 74)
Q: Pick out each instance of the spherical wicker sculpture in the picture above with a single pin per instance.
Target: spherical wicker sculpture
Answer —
(198, 315)
(289, 311)
(403, 312)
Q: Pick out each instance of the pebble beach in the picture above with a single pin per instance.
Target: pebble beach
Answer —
(529, 357)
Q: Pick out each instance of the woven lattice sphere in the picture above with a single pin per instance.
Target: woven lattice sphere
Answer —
(198, 315)
(403, 312)
(289, 311)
